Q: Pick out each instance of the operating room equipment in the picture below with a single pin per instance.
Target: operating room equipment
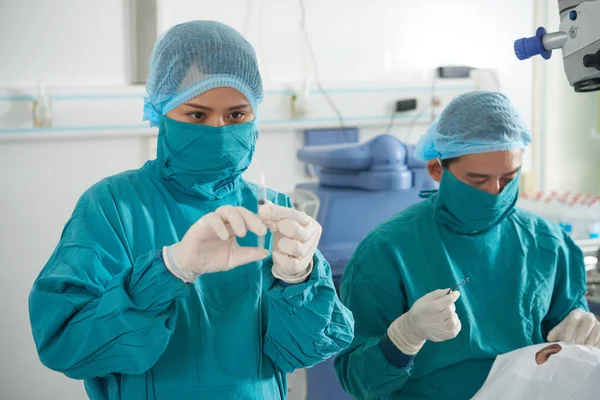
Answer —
(577, 213)
(262, 200)
(459, 284)
(360, 185)
(578, 37)
(591, 251)
(381, 173)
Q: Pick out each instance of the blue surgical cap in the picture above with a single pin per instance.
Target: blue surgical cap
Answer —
(194, 57)
(476, 122)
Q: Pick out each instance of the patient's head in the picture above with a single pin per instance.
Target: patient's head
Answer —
(549, 371)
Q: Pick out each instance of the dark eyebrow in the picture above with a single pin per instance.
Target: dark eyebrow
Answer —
(481, 176)
(198, 106)
(201, 107)
(238, 107)
(476, 175)
(514, 172)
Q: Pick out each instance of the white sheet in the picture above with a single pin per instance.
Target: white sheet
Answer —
(573, 374)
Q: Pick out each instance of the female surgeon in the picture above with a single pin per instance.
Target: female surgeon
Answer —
(157, 289)
(416, 339)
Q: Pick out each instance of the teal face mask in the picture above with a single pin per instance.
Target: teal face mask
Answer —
(468, 210)
(205, 161)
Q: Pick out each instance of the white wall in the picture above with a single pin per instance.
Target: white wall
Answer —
(40, 185)
(64, 42)
(369, 53)
(375, 39)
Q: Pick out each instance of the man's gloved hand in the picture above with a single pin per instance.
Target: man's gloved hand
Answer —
(432, 317)
(210, 244)
(295, 240)
(580, 327)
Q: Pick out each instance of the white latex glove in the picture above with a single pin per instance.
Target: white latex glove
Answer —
(295, 240)
(432, 317)
(210, 244)
(580, 327)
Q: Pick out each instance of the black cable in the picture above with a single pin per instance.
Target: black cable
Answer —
(418, 115)
(315, 66)
(414, 121)
(391, 123)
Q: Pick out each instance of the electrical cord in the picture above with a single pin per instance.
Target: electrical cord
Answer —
(262, 59)
(433, 81)
(315, 68)
(391, 123)
(418, 115)
(431, 104)
(249, 10)
(416, 118)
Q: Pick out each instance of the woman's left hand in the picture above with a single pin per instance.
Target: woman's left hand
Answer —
(295, 240)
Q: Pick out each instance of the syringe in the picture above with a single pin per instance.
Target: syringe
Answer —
(459, 284)
(262, 199)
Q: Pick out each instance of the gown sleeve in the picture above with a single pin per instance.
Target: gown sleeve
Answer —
(306, 322)
(93, 309)
(373, 367)
(570, 285)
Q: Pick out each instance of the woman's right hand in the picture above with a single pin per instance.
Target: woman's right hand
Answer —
(210, 244)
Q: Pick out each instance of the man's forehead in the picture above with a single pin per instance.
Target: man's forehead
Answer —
(491, 164)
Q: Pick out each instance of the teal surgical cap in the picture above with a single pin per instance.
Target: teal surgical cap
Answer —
(194, 57)
(476, 122)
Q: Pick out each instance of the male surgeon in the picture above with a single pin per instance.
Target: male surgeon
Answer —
(416, 339)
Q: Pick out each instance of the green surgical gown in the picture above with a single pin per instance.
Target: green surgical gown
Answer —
(106, 310)
(525, 274)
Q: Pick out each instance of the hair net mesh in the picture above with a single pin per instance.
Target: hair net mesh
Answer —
(194, 57)
(476, 122)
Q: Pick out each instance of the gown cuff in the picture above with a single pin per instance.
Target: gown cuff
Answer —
(393, 355)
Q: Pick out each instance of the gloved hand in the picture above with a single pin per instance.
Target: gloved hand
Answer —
(295, 240)
(210, 244)
(432, 317)
(580, 327)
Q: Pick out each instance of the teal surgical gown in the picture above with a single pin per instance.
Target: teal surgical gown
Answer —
(106, 310)
(525, 277)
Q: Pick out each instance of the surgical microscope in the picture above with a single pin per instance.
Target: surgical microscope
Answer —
(579, 39)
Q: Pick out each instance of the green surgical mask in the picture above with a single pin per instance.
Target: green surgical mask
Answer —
(205, 161)
(468, 210)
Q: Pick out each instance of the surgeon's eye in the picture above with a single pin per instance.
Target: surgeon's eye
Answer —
(478, 182)
(197, 116)
(237, 115)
